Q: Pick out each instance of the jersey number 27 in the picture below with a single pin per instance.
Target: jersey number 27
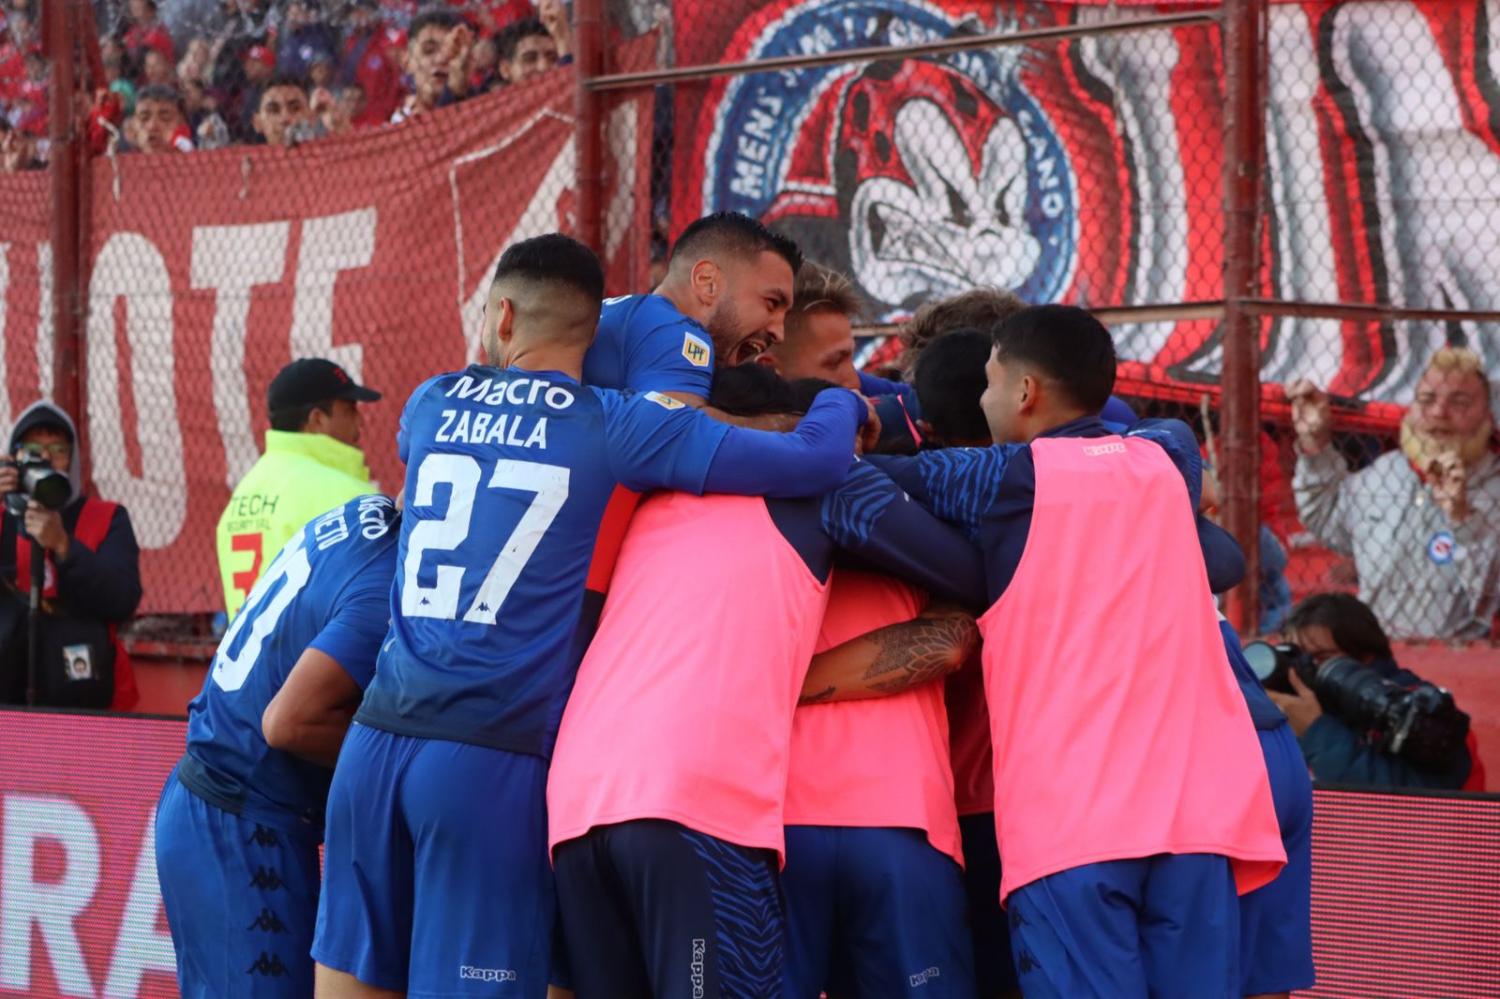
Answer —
(548, 485)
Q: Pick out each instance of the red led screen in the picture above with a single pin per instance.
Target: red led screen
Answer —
(1406, 888)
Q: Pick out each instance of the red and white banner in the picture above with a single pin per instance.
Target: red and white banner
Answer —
(80, 908)
(1090, 170)
(210, 271)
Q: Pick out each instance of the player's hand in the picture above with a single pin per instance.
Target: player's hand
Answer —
(1449, 479)
(46, 527)
(869, 434)
(1311, 416)
(1301, 708)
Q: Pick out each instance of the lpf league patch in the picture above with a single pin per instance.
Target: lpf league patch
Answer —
(1441, 548)
(78, 662)
(664, 401)
(696, 350)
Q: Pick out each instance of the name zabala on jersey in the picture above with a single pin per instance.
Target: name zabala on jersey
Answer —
(464, 426)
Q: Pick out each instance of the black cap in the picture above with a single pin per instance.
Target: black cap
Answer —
(311, 380)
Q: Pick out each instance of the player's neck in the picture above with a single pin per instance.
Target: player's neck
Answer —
(546, 357)
(682, 300)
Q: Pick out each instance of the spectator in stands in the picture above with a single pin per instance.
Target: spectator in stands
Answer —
(336, 108)
(284, 115)
(156, 71)
(17, 150)
(370, 63)
(145, 32)
(437, 59)
(305, 38)
(112, 56)
(92, 581)
(1326, 625)
(158, 125)
(258, 68)
(312, 463)
(533, 46)
(1422, 522)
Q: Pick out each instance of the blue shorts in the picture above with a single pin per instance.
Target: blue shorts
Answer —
(873, 912)
(1161, 926)
(653, 909)
(1276, 919)
(437, 882)
(241, 899)
(989, 929)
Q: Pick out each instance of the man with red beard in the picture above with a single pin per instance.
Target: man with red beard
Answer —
(1421, 522)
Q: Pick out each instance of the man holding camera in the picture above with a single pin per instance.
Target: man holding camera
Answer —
(91, 579)
(1438, 752)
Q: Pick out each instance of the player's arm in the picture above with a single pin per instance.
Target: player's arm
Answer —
(957, 484)
(310, 714)
(658, 443)
(893, 659)
(868, 516)
(780, 422)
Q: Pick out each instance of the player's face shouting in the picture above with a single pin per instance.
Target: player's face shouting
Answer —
(750, 316)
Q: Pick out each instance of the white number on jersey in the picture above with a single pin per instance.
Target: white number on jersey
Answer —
(288, 573)
(548, 485)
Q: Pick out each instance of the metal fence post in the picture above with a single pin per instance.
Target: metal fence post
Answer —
(588, 57)
(1244, 24)
(60, 33)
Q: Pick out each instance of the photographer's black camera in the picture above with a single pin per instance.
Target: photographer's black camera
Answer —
(1420, 723)
(40, 482)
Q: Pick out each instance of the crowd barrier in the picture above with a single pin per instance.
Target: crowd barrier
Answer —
(1406, 888)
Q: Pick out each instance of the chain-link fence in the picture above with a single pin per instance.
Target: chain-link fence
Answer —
(1065, 152)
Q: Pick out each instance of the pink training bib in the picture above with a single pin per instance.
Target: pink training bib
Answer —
(876, 762)
(969, 741)
(1118, 729)
(683, 705)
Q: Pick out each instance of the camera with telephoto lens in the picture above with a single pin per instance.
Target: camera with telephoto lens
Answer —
(38, 481)
(1420, 723)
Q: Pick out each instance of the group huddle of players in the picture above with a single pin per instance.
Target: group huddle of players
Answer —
(664, 683)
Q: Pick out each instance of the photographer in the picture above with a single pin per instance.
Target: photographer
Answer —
(92, 579)
(1327, 625)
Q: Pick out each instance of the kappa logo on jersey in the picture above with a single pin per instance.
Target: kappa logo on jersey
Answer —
(697, 352)
(665, 401)
(266, 879)
(262, 837)
(944, 173)
(267, 964)
(267, 922)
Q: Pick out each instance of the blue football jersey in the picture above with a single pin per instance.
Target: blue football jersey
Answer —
(644, 343)
(508, 474)
(329, 588)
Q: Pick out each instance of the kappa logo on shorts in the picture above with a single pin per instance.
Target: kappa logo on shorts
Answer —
(923, 977)
(1095, 450)
(266, 879)
(268, 922)
(486, 974)
(267, 964)
(700, 953)
(697, 352)
(263, 837)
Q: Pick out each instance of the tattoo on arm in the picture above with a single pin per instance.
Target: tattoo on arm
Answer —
(822, 695)
(923, 650)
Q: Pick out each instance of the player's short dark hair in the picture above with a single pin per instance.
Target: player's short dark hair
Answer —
(1067, 345)
(510, 37)
(756, 390)
(949, 379)
(553, 259)
(440, 17)
(734, 234)
(1354, 627)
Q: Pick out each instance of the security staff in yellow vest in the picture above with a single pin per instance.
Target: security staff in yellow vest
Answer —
(312, 464)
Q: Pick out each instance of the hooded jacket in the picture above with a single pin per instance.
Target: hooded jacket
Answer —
(102, 583)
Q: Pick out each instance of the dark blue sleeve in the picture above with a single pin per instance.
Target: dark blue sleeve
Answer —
(1222, 556)
(809, 461)
(1176, 438)
(869, 516)
(958, 484)
(1336, 754)
(361, 618)
(104, 582)
(874, 385)
(672, 357)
